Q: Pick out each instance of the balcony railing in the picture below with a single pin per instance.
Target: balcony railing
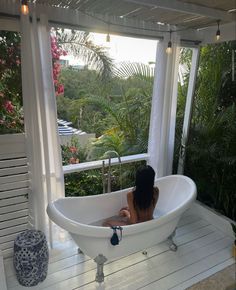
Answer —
(98, 163)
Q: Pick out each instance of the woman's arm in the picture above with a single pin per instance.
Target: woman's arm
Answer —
(133, 213)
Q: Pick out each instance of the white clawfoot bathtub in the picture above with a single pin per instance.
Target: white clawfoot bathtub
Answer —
(76, 214)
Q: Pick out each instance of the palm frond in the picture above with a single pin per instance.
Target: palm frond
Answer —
(128, 69)
(79, 44)
(105, 105)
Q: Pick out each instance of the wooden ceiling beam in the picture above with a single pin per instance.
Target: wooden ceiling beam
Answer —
(188, 8)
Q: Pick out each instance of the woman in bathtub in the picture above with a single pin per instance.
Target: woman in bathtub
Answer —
(141, 201)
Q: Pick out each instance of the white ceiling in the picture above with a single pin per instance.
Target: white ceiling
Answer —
(190, 19)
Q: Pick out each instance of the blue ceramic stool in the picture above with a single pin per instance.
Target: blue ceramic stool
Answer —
(31, 257)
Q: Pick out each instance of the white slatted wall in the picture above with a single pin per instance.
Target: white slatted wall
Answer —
(14, 188)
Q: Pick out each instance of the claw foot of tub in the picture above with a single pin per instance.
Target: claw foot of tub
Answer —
(100, 260)
(173, 247)
(80, 251)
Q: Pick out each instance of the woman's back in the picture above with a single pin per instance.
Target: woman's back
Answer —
(138, 215)
(141, 201)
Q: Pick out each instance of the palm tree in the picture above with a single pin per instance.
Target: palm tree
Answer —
(128, 117)
(79, 44)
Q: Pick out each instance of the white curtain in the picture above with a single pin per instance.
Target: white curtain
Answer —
(163, 113)
(43, 148)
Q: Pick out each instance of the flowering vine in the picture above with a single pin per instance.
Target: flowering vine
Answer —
(70, 154)
(57, 52)
(11, 112)
(11, 104)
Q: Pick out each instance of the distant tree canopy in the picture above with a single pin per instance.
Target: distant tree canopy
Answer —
(118, 108)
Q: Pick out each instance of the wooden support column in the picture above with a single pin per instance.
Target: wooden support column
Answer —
(188, 109)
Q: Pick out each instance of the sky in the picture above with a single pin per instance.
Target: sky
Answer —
(122, 48)
(128, 49)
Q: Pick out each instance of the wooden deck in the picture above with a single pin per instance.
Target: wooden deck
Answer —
(202, 251)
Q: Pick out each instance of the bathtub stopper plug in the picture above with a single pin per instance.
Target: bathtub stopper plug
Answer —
(115, 239)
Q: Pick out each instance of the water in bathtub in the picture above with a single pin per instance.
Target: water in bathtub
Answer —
(157, 213)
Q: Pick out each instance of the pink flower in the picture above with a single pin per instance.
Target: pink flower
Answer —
(8, 106)
(72, 160)
(60, 89)
(73, 149)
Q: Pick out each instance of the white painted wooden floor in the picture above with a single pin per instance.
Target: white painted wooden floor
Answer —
(202, 251)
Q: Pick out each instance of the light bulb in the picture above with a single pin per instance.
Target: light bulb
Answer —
(24, 7)
(108, 38)
(218, 34)
(218, 30)
(169, 48)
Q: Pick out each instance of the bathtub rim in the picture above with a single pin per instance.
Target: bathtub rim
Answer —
(78, 228)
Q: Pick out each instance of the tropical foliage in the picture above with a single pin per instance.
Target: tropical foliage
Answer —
(127, 115)
(73, 153)
(211, 151)
(11, 112)
(121, 110)
(117, 111)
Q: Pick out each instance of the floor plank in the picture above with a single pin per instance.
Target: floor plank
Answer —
(160, 266)
(190, 271)
(3, 285)
(202, 251)
(134, 259)
(204, 275)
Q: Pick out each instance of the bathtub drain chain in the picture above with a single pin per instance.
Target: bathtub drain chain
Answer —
(115, 240)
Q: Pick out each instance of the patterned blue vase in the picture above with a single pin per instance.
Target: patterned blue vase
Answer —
(31, 257)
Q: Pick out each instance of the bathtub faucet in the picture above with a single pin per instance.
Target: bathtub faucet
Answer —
(109, 154)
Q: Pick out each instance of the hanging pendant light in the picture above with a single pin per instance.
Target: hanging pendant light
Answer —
(24, 7)
(169, 46)
(218, 31)
(108, 38)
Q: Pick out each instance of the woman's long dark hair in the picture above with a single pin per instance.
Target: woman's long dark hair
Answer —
(144, 184)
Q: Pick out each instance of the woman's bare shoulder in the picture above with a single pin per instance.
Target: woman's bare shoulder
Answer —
(156, 191)
(130, 195)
